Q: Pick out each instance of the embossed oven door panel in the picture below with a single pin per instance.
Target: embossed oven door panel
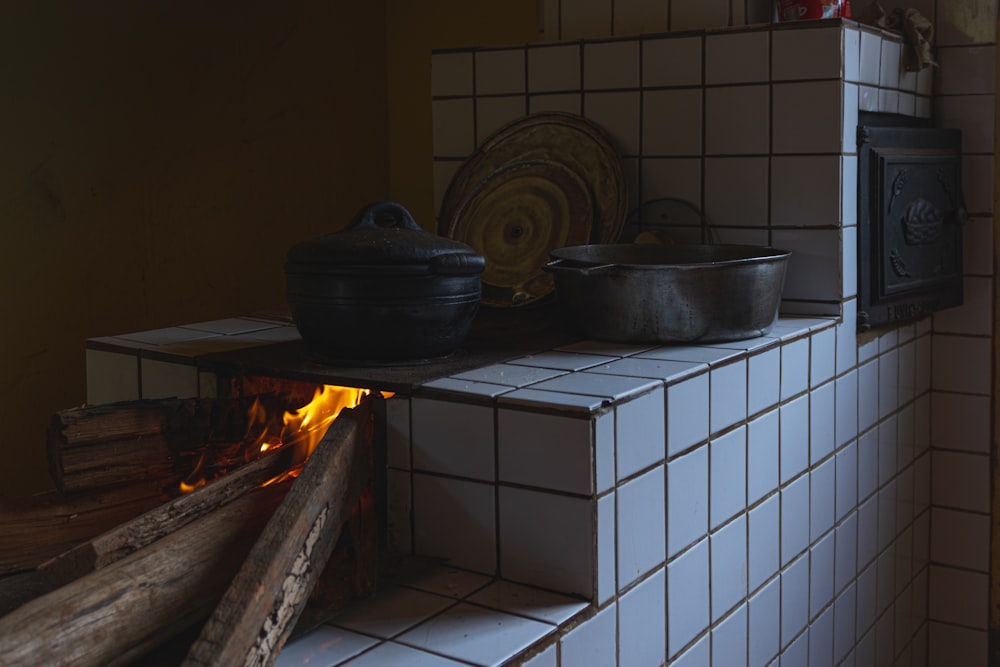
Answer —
(910, 219)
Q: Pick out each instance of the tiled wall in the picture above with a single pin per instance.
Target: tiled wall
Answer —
(756, 127)
(722, 505)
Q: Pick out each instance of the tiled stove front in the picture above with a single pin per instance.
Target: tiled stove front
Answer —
(747, 503)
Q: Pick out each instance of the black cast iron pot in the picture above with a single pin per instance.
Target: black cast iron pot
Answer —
(383, 290)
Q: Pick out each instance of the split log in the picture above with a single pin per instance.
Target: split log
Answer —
(153, 442)
(258, 612)
(119, 613)
(37, 528)
(145, 529)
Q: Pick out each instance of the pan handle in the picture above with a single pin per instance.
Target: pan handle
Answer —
(558, 265)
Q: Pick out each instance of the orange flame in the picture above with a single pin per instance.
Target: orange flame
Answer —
(302, 428)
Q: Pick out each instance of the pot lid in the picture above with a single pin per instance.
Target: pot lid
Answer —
(385, 234)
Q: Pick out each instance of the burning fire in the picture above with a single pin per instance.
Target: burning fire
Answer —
(302, 428)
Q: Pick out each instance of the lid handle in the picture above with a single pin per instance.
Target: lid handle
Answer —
(386, 214)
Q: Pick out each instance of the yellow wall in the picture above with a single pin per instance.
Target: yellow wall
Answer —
(415, 29)
(157, 159)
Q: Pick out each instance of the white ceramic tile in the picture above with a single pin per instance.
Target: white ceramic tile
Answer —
(694, 15)
(608, 387)
(794, 368)
(712, 355)
(868, 395)
(797, 653)
(390, 653)
(794, 438)
(888, 101)
(324, 645)
(399, 505)
(957, 364)
(889, 67)
(451, 74)
(847, 480)
(607, 539)
(391, 611)
(453, 128)
(162, 379)
(736, 191)
(527, 601)
(165, 336)
(958, 596)
(765, 624)
(974, 317)
(887, 450)
(949, 644)
(548, 400)
(682, 135)
(846, 563)
(604, 452)
(822, 504)
(111, 377)
(843, 624)
(821, 640)
(508, 374)
(662, 369)
(727, 476)
(641, 539)
(794, 599)
(960, 539)
(728, 387)
(464, 388)
(822, 557)
(617, 113)
(687, 499)
(808, 54)
(687, 413)
(852, 54)
(476, 634)
(697, 655)
(868, 98)
(794, 519)
(966, 70)
(729, 639)
(585, 18)
(740, 57)
(594, 641)
(762, 456)
(547, 658)
(822, 357)
(500, 72)
(571, 103)
(455, 520)
(867, 464)
(671, 61)
(805, 190)
(972, 114)
(641, 620)
(847, 348)
(867, 531)
(640, 433)
(230, 326)
(493, 113)
(635, 17)
(961, 481)
(807, 127)
(764, 371)
(547, 540)
(746, 133)
(907, 104)
(822, 420)
(871, 54)
(447, 581)
(611, 65)
(453, 438)
(960, 422)
(397, 432)
(548, 451)
(687, 596)
(728, 567)
(763, 542)
(678, 178)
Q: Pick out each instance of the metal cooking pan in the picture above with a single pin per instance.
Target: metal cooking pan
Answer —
(652, 293)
